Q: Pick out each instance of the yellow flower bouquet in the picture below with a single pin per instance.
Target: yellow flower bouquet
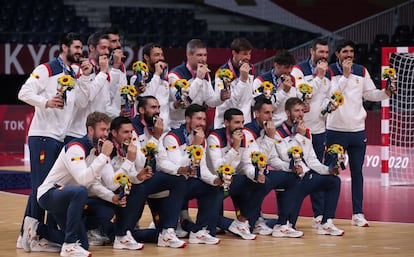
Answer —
(226, 76)
(128, 94)
(125, 184)
(295, 154)
(65, 83)
(389, 74)
(337, 100)
(306, 91)
(259, 160)
(141, 71)
(226, 173)
(335, 158)
(266, 88)
(195, 153)
(140, 66)
(182, 86)
(149, 150)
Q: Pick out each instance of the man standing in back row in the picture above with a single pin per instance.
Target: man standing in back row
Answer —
(346, 125)
(200, 91)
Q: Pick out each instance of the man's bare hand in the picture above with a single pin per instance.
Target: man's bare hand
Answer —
(107, 148)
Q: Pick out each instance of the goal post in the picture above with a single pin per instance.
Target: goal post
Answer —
(397, 119)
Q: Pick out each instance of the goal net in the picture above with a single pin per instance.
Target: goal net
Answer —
(400, 118)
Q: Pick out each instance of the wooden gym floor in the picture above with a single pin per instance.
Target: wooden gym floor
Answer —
(380, 239)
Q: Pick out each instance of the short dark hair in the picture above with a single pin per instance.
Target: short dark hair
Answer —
(260, 102)
(193, 44)
(143, 100)
(292, 102)
(95, 37)
(95, 117)
(229, 113)
(343, 43)
(284, 57)
(241, 44)
(146, 49)
(319, 41)
(67, 39)
(193, 108)
(118, 122)
(111, 30)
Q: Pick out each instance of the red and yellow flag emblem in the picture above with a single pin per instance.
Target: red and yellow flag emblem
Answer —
(42, 157)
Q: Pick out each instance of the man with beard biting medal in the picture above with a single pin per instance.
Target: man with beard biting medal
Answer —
(148, 126)
(156, 84)
(52, 116)
(64, 192)
(346, 125)
(146, 180)
(315, 72)
(227, 146)
(201, 184)
(240, 91)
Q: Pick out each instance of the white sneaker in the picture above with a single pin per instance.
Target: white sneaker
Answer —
(95, 237)
(29, 232)
(203, 237)
(74, 249)
(261, 228)
(180, 232)
(44, 245)
(359, 220)
(168, 238)
(286, 231)
(19, 242)
(242, 229)
(316, 221)
(127, 242)
(329, 229)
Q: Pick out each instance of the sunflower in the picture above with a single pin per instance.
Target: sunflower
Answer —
(123, 179)
(144, 151)
(149, 148)
(267, 85)
(310, 89)
(198, 153)
(340, 100)
(295, 150)
(261, 159)
(118, 178)
(65, 80)
(388, 73)
(144, 67)
(181, 83)
(228, 73)
(135, 66)
(227, 169)
(337, 93)
(132, 91)
(123, 88)
(128, 181)
(151, 145)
